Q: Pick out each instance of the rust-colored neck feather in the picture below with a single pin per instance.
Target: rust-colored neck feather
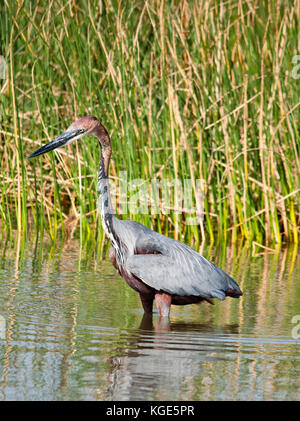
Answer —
(104, 140)
(105, 204)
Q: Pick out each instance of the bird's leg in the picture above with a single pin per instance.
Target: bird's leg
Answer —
(147, 302)
(147, 322)
(163, 303)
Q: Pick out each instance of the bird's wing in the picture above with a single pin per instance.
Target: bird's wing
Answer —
(177, 269)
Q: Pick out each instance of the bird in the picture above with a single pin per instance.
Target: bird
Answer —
(161, 269)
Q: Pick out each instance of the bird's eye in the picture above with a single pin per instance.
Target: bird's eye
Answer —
(81, 130)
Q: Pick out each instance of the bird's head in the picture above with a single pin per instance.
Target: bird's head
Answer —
(81, 127)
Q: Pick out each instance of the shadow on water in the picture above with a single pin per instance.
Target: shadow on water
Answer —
(75, 330)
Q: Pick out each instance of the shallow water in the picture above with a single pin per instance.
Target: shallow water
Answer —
(71, 329)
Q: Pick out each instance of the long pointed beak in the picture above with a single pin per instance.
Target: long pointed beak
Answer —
(61, 140)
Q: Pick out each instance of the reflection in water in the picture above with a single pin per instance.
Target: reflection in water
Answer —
(195, 361)
(75, 330)
(162, 355)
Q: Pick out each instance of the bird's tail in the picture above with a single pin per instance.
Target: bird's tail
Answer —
(234, 292)
(232, 289)
(226, 286)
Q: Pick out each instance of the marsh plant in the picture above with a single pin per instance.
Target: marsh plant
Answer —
(190, 90)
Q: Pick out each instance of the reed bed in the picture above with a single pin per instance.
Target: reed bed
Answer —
(189, 90)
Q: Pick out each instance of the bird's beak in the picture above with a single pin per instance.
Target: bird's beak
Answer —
(67, 137)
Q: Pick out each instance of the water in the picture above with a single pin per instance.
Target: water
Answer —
(72, 329)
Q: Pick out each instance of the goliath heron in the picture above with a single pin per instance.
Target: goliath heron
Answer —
(157, 267)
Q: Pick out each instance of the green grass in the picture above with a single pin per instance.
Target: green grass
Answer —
(188, 90)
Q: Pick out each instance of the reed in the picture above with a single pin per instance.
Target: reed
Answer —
(199, 90)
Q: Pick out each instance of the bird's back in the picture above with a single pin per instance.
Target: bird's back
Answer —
(169, 265)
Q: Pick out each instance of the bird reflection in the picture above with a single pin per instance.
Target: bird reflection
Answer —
(161, 324)
(159, 352)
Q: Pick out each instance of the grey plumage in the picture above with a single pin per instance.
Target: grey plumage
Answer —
(177, 268)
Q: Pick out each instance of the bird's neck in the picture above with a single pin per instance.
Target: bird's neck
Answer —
(105, 205)
(109, 222)
(108, 219)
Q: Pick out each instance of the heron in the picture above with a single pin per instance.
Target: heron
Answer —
(161, 269)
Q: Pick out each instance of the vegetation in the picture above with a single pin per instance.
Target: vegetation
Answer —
(200, 90)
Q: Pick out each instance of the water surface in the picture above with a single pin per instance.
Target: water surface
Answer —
(75, 331)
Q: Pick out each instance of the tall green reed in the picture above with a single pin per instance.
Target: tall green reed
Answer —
(188, 90)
